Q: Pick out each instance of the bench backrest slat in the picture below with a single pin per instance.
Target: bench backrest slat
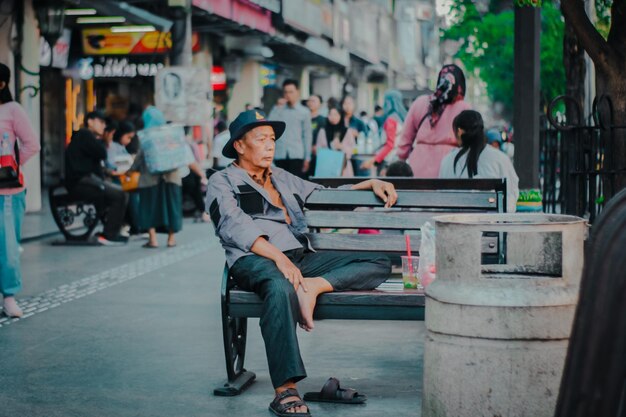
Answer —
(372, 219)
(404, 183)
(380, 243)
(451, 200)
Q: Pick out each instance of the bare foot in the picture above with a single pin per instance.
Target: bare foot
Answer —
(308, 300)
(300, 409)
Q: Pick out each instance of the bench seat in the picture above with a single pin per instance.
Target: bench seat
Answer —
(348, 305)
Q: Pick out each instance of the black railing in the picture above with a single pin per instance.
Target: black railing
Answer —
(577, 170)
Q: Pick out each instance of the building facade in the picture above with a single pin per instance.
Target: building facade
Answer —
(249, 47)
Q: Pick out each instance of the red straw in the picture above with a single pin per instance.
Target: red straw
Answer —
(408, 252)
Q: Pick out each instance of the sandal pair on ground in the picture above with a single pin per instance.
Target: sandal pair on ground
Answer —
(331, 393)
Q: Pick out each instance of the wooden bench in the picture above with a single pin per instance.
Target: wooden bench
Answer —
(334, 209)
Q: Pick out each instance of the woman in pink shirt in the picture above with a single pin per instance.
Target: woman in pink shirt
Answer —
(428, 136)
(14, 128)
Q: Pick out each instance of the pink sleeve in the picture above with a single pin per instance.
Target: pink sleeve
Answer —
(416, 112)
(390, 127)
(28, 139)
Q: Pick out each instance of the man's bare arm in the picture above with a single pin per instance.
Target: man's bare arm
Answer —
(265, 249)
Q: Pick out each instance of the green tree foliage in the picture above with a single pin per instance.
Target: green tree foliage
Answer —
(487, 48)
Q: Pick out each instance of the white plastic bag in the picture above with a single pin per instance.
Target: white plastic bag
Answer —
(427, 268)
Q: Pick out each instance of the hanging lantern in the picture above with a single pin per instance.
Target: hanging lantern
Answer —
(51, 14)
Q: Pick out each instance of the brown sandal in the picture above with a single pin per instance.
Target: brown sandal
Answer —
(281, 409)
(332, 393)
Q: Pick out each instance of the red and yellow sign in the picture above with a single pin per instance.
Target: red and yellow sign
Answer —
(101, 41)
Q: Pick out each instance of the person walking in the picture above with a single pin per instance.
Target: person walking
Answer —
(428, 135)
(294, 153)
(334, 135)
(395, 114)
(18, 143)
(476, 159)
(85, 158)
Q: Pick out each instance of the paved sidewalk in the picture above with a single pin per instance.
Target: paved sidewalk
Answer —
(127, 331)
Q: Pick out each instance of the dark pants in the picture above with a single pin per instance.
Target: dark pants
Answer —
(293, 166)
(281, 310)
(192, 187)
(105, 196)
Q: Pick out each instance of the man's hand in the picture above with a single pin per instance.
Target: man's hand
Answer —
(384, 190)
(305, 165)
(291, 272)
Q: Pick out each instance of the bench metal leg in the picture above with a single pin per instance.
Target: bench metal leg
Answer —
(235, 330)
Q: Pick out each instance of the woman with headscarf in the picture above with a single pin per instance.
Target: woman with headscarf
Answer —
(335, 135)
(18, 143)
(428, 135)
(394, 116)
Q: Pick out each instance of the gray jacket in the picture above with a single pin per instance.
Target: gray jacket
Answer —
(297, 140)
(242, 211)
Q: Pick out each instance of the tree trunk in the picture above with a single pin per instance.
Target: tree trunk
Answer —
(574, 63)
(613, 84)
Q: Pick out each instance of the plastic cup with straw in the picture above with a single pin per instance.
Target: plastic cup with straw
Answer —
(409, 277)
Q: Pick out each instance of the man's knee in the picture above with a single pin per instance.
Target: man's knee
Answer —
(280, 289)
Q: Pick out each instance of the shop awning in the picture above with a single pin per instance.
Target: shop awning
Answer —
(132, 13)
(314, 51)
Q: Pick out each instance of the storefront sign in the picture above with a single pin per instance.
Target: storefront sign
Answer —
(268, 75)
(115, 67)
(181, 93)
(218, 78)
(101, 41)
(60, 52)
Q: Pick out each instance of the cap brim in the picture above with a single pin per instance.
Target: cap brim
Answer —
(229, 150)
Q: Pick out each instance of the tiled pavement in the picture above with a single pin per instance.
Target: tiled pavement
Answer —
(126, 331)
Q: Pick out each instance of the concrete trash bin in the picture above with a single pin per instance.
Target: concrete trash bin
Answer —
(498, 334)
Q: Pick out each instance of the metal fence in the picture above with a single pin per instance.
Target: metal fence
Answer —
(576, 159)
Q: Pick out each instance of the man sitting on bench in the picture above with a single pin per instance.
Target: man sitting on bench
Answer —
(84, 177)
(257, 213)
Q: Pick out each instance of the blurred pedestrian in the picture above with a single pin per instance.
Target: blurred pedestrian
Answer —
(379, 116)
(395, 114)
(348, 117)
(314, 104)
(494, 138)
(474, 159)
(335, 135)
(294, 153)
(85, 157)
(398, 169)
(18, 143)
(428, 134)
(223, 136)
(118, 158)
(317, 120)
